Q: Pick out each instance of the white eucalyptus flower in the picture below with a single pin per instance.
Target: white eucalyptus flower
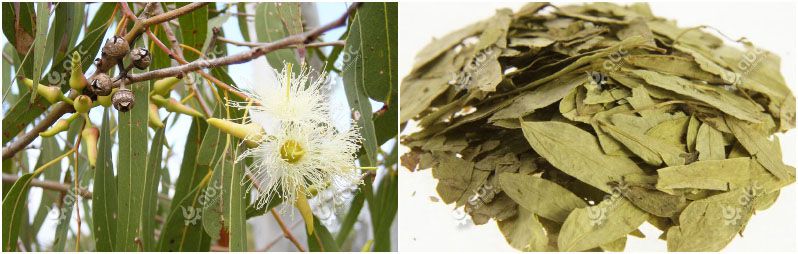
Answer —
(303, 156)
(289, 97)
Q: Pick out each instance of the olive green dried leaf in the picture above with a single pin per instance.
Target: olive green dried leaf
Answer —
(718, 97)
(710, 224)
(593, 226)
(655, 202)
(524, 232)
(728, 174)
(541, 97)
(672, 131)
(540, 196)
(758, 145)
(652, 150)
(457, 179)
(576, 152)
(709, 144)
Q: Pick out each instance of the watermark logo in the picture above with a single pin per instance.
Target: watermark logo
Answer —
(750, 60)
(733, 214)
(209, 196)
(475, 68)
(597, 214)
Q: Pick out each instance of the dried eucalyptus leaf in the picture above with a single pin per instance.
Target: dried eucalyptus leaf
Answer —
(577, 153)
(717, 97)
(525, 232)
(722, 175)
(710, 224)
(759, 146)
(593, 226)
(652, 150)
(709, 144)
(540, 196)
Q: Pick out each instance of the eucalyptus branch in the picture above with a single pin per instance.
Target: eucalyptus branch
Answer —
(261, 44)
(297, 39)
(57, 186)
(49, 185)
(176, 47)
(23, 140)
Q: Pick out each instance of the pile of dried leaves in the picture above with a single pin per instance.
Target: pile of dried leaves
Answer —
(573, 125)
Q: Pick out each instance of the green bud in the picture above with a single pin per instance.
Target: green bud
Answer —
(90, 136)
(76, 80)
(251, 133)
(58, 127)
(173, 105)
(164, 86)
(303, 206)
(82, 104)
(50, 93)
(154, 119)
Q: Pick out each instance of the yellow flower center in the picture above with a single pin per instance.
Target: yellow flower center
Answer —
(291, 151)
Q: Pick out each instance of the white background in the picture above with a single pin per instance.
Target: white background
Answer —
(433, 226)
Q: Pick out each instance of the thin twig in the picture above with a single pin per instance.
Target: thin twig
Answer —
(261, 44)
(286, 231)
(76, 182)
(184, 62)
(45, 184)
(26, 138)
(243, 57)
(277, 239)
(60, 187)
(178, 56)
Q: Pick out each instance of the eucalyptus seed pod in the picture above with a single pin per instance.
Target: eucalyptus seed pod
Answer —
(116, 47)
(100, 84)
(123, 100)
(141, 58)
(105, 101)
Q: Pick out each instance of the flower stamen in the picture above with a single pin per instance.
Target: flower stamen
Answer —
(291, 151)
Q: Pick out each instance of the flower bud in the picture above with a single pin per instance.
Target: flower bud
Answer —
(154, 118)
(164, 86)
(91, 135)
(252, 133)
(173, 105)
(100, 84)
(58, 127)
(50, 93)
(116, 47)
(141, 58)
(82, 103)
(303, 206)
(123, 100)
(76, 80)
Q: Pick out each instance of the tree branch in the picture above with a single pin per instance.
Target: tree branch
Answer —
(260, 44)
(23, 140)
(57, 186)
(243, 57)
